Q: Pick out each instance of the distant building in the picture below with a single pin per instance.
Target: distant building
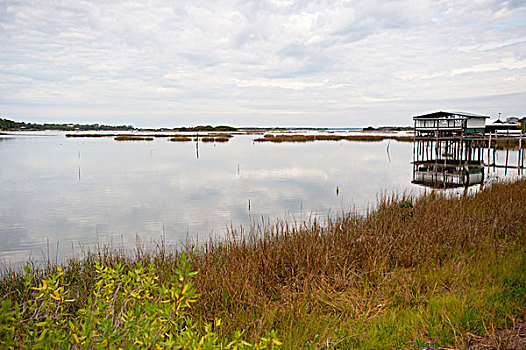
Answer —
(449, 124)
(511, 126)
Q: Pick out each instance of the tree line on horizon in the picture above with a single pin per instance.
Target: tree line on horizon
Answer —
(6, 124)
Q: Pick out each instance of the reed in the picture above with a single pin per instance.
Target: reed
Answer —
(222, 139)
(92, 135)
(503, 144)
(366, 138)
(311, 138)
(432, 271)
(285, 138)
(166, 135)
(221, 135)
(403, 138)
(328, 137)
(132, 138)
(215, 139)
(310, 278)
(180, 139)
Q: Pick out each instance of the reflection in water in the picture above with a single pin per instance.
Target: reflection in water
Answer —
(460, 162)
(448, 173)
(96, 191)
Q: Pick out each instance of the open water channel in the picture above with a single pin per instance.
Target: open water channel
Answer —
(59, 195)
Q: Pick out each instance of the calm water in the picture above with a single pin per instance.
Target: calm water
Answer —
(78, 192)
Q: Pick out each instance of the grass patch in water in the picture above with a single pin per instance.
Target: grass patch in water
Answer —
(93, 135)
(214, 139)
(180, 139)
(132, 138)
(311, 138)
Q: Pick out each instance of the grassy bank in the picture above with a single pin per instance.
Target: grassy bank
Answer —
(430, 271)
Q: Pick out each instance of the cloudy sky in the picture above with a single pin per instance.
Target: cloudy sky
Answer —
(260, 62)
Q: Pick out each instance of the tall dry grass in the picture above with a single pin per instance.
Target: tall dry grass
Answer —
(317, 282)
(271, 269)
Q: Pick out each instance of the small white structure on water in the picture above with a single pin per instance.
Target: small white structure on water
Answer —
(449, 124)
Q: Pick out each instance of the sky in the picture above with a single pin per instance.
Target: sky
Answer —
(260, 62)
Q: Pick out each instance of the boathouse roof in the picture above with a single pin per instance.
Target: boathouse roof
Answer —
(443, 114)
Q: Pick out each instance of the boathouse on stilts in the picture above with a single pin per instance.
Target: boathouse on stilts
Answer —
(452, 149)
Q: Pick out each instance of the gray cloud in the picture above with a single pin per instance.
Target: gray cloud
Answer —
(161, 63)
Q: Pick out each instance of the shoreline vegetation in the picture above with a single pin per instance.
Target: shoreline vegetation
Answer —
(10, 125)
(311, 138)
(225, 137)
(438, 270)
(276, 138)
(133, 138)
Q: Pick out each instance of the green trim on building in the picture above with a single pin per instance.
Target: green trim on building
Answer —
(471, 130)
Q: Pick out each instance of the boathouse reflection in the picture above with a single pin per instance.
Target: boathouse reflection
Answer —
(447, 162)
(448, 173)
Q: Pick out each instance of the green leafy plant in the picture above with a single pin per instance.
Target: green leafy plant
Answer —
(407, 209)
(130, 308)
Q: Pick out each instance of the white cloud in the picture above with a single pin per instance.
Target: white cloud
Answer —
(278, 83)
(244, 61)
(506, 63)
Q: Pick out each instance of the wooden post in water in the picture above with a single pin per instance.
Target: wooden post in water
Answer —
(519, 156)
(489, 147)
(494, 150)
(507, 156)
(522, 160)
(197, 146)
(462, 143)
(523, 152)
(471, 154)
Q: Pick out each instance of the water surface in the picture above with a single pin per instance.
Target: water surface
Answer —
(80, 192)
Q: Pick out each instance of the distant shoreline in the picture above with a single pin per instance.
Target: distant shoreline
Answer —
(10, 125)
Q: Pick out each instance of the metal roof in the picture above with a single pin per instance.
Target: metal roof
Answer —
(444, 114)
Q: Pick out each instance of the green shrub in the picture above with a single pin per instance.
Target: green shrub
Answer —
(129, 309)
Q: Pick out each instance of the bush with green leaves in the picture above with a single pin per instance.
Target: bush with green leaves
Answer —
(130, 309)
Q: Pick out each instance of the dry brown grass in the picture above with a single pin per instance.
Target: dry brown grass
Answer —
(285, 138)
(180, 139)
(92, 135)
(310, 279)
(215, 139)
(256, 279)
(132, 138)
(513, 338)
(311, 138)
(166, 135)
(404, 138)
